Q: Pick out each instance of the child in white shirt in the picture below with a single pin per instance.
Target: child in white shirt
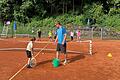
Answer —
(29, 51)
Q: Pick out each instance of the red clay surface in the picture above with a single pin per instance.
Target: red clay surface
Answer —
(81, 66)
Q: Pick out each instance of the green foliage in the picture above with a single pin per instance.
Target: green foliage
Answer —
(1, 25)
(114, 11)
(112, 22)
(93, 11)
(44, 13)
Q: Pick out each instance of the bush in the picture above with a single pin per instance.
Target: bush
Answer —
(48, 23)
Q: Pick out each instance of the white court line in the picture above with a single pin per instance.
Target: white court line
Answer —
(43, 42)
(27, 41)
(48, 41)
(12, 49)
(8, 49)
(26, 63)
(4, 49)
(1, 39)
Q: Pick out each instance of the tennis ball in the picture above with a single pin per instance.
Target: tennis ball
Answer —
(109, 55)
(43, 53)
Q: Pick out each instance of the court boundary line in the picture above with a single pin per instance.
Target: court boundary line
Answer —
(48, 49)
(26, 63)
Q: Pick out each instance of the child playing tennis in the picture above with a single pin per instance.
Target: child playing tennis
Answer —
(29, 51)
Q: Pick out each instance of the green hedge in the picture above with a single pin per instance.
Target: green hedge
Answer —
(48, 23)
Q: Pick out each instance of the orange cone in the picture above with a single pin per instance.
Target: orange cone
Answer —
(109, 55)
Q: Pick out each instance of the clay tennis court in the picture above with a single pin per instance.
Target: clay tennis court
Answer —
(81, 66)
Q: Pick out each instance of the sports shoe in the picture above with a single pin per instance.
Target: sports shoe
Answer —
(28, 66)
(65, 62)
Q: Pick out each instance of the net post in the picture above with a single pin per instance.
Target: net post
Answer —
(90, 45)
(101, 33)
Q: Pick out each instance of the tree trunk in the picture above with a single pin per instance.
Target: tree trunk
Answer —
(63, 7)
(51, 9)
(73, 7)
(81, 10)
(66, 7)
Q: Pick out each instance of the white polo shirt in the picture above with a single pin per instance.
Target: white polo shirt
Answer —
(29, 46)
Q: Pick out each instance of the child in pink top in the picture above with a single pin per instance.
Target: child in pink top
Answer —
(78, 35)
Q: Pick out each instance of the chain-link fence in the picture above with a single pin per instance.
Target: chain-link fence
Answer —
(110, 34)
(97, 33)
(86, 32)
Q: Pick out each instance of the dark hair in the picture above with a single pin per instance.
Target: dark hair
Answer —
(33, 39)
(58, 23)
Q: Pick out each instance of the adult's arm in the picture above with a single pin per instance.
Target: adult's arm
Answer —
(65, 35)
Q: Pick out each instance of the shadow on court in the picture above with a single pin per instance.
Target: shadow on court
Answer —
(77, 57)
(43, 62)
(72, 59)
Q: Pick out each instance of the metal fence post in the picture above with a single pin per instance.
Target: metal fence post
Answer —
(92, 32)
(101, 33)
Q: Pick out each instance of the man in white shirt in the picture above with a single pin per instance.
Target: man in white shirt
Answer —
(29, 51)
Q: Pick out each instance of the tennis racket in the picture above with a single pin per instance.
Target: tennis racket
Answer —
(32, 62)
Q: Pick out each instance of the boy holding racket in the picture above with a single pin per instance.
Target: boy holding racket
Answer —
(29, 50)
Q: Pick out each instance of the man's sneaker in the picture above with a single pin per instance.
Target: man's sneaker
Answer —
(65, 62)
